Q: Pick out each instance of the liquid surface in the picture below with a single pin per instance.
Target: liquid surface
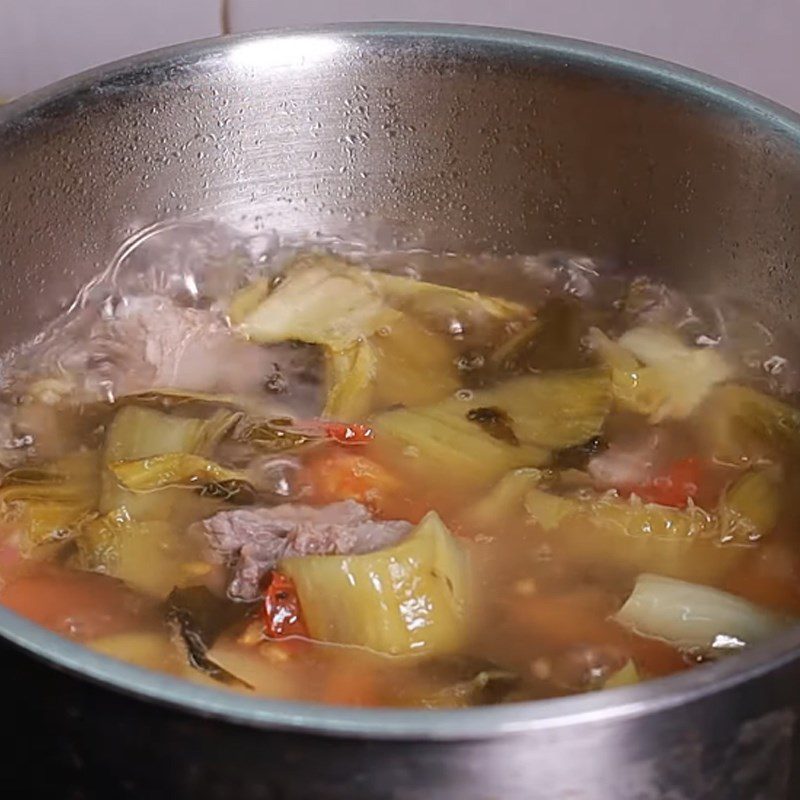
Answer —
(398, 479)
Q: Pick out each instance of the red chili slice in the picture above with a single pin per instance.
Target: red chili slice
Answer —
(281, 611)
(348, 433)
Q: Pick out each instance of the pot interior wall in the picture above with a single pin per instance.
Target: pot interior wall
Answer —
(451, 143)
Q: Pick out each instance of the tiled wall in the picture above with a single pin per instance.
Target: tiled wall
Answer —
(750, 42)
(43, 40)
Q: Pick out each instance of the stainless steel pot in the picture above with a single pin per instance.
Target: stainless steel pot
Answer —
(470, 139)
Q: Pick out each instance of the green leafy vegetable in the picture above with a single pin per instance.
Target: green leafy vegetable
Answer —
(350, 376)
(751, 505)
(742, 425)
(50, 502)
(434, 304)
(47, 525)
(150, 556)
(553, 410)
(553, 340)
(655, 373)
(697, 618)
(320, 300)
(181, 469)
(375, 354)
(627, 675)
(68, 479)
(441, 441)
(510, 353)
(414, 366)
(142, 433)
(550, 510)
(404, 364)
(248, 299)
(684, 543)
(410, 599)
(504, 501)
(275, 435)
(380, 350)
(544, 412)
(167, 399)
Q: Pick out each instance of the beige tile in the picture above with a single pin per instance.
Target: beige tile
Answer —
(44, 40)
(749, 42)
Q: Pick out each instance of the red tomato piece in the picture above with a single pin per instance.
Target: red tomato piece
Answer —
(680, 483)
(80, 605)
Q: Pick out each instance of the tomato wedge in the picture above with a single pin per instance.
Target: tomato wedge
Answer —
(676, 487)
(81, 605)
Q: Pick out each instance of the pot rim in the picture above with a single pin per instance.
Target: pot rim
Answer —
(467, 724)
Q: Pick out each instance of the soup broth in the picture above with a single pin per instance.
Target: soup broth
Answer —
(399, 479)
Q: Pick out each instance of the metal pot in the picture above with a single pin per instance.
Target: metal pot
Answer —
(469, 139)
